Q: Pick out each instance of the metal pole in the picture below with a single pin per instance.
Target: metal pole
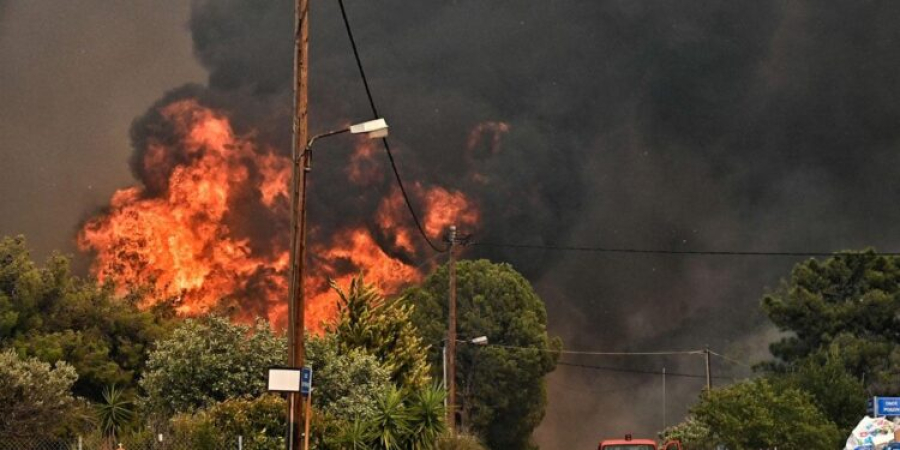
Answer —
(296, 300)
(444, 367)
(240, 442)
(664, 397)
(708, 371)
(451, 337)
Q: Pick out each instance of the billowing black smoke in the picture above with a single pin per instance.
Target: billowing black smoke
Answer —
(699, 125)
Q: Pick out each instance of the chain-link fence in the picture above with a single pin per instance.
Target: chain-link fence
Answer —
(156, 443)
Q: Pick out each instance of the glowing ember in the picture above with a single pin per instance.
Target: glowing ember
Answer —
(188, 232)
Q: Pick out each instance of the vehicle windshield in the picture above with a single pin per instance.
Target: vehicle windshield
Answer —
(628, 447)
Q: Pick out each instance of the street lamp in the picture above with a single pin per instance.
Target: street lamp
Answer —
(374, 129)
(480, 340)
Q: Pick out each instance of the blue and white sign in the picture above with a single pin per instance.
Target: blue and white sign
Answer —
(305, 381)
(886, 406)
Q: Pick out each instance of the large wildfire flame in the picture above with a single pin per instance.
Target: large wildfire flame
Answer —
(183, 233)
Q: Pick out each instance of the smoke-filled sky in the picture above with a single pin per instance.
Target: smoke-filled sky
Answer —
(695, 125)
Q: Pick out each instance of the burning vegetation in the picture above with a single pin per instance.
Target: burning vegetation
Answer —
(191, 230)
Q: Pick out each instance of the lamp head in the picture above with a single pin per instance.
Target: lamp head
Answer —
(375, 129)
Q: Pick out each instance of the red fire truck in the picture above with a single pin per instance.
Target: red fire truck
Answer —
(636, 444)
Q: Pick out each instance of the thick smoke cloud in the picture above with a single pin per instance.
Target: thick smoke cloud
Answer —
(754, 125)
(703, 125)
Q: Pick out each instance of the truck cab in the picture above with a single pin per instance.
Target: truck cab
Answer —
(636, 444)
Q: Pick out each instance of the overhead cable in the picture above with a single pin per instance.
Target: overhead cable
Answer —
(732, 360)
(603, 353)
(384, 140)
(639, 371)
(586, 249)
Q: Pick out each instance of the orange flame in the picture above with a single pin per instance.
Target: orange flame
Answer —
(185, 235)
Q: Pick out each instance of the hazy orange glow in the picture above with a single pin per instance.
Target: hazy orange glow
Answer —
(182, 234)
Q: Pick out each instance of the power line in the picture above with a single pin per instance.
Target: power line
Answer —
(602, 353)
(572, 248)
(732, 360)
(387, 146)
(639, 371)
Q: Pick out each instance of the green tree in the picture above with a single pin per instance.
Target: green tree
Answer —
(209, 360)
(382, 328)
(833, 389)
(35, 399)
(756, 414)
(48, 313)
(501, 387)
(852, 299)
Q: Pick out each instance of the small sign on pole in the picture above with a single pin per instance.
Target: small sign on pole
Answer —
(886, 406)
(284, 380)
(306, 381)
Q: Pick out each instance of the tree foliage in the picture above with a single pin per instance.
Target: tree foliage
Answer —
(832, 388)
(853, 298)
(259, 421)
(692, 433)
(347, 385)
(382, 328)
(757, 414)
(209, 360)
(35, 399)
(48, 313)
(501, 389)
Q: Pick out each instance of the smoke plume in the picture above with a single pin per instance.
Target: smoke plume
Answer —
(749, 125)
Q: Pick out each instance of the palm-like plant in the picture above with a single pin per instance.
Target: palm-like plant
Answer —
(391, 422)
(427, 417)
(114, 413)
(382, 328)
(355, 435)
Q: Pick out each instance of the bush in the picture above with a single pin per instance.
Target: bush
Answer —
(460, 441)
(35, 399)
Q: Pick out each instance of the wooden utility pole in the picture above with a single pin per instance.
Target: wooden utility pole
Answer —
(300, 155)
(451, 336)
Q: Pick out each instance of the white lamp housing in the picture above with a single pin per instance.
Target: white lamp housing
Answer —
(480, 340)
(375, 129)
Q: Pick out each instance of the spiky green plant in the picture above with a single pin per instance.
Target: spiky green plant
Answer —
(382, 328)
(426, 417)
(355, 435)
(391, 422)
(114, 413)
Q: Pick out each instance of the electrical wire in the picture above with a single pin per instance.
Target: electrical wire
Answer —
(568, 248)
(639, 371)
(601, 353)
(387, 146)
(731, 360)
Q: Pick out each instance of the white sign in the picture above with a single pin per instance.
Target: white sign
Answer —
(284, 380)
